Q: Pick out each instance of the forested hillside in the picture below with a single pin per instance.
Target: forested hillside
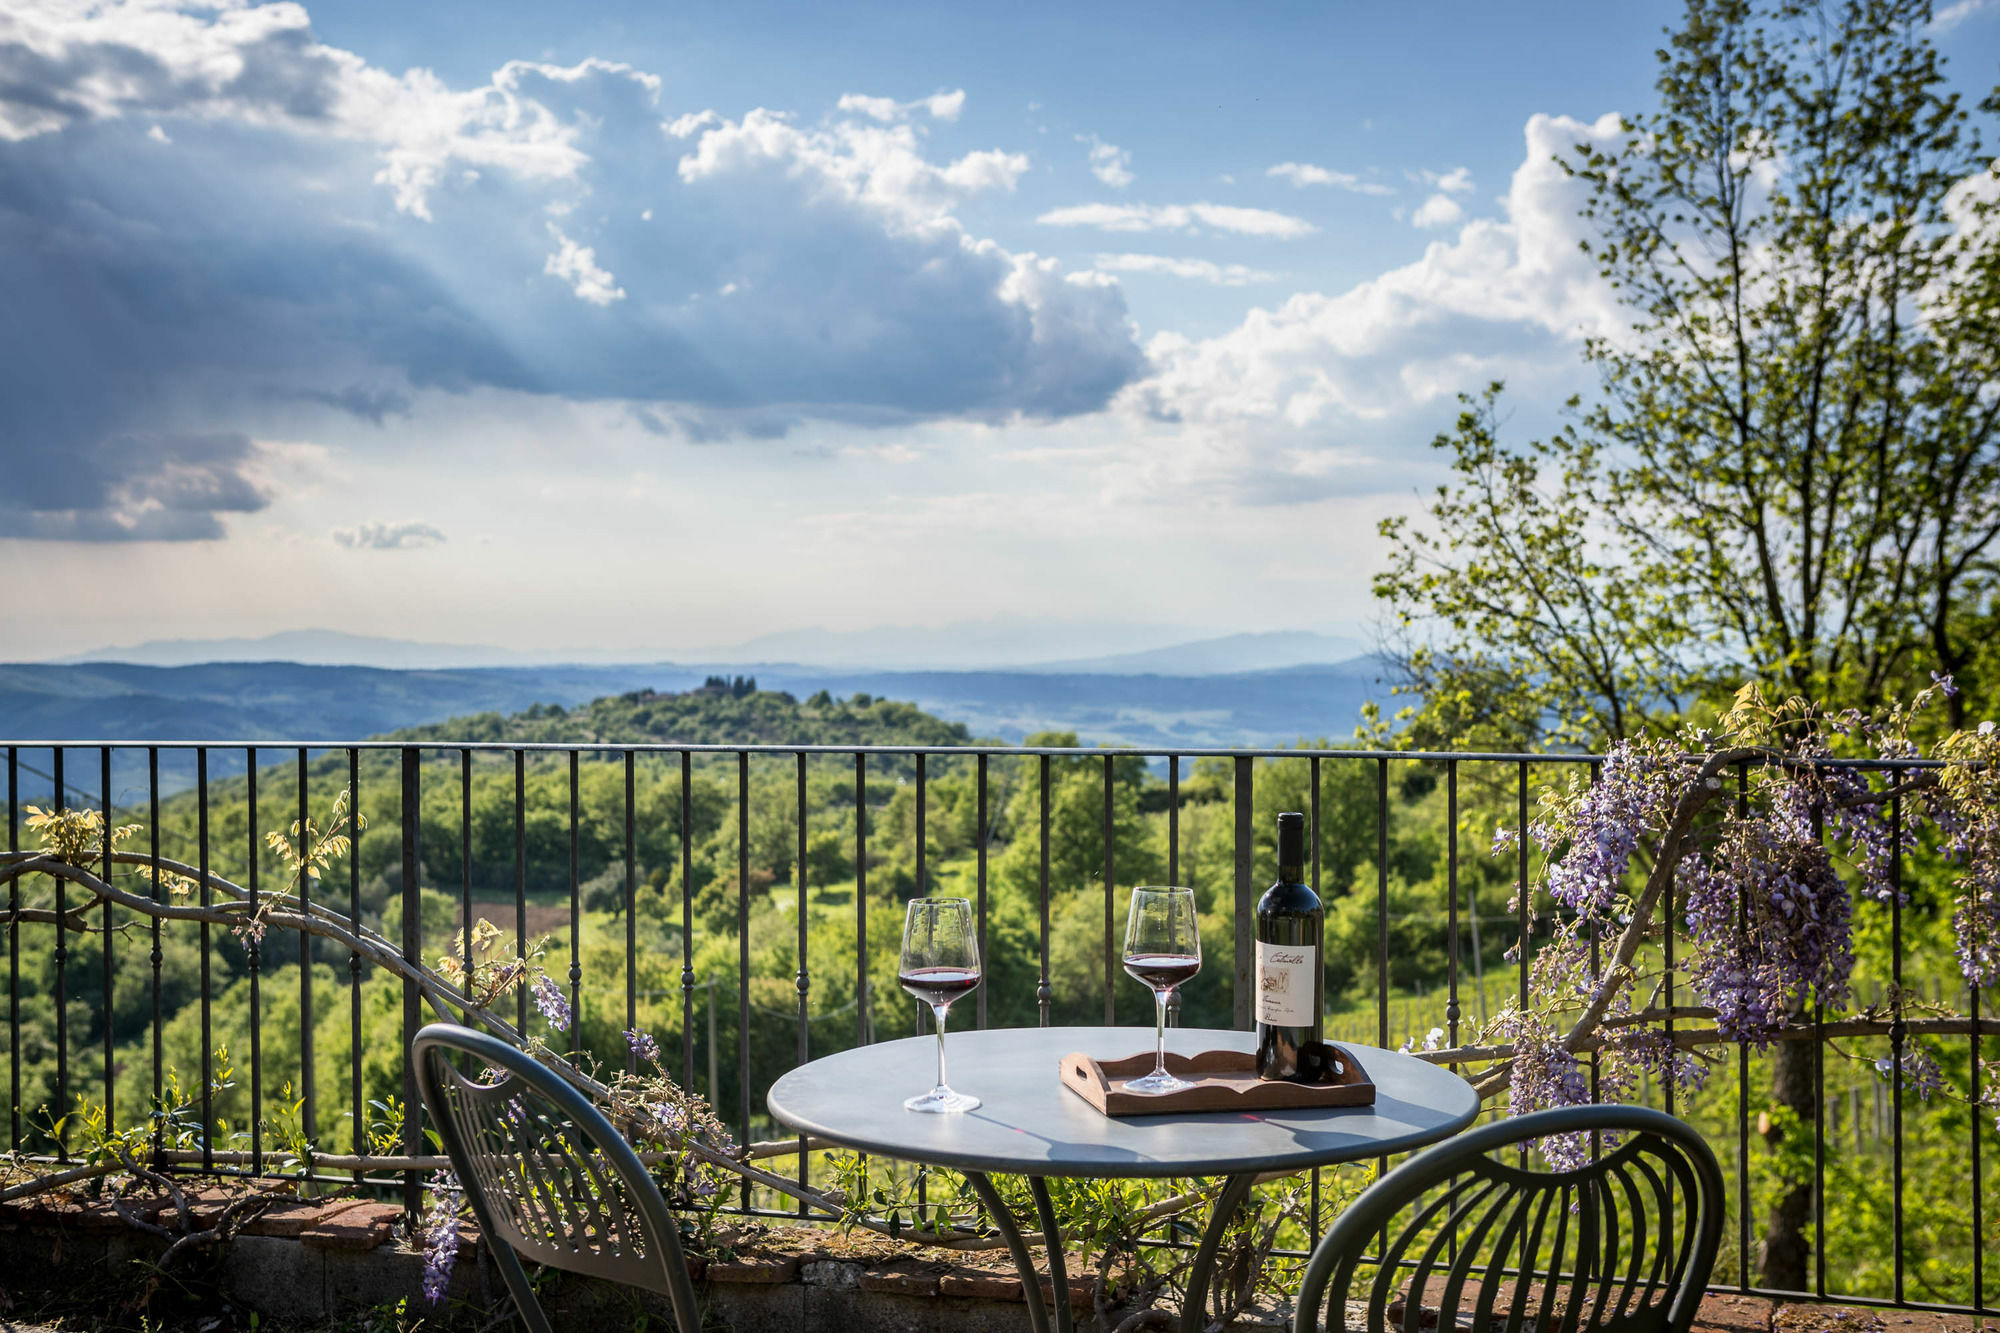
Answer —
(547, 862)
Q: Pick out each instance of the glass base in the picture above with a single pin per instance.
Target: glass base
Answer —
(1156, 1083)
(942, 1101)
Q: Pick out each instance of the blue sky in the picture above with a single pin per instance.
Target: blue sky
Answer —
(648, 330)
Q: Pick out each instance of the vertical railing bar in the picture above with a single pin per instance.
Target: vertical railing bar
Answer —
(922, 891)
(1596, 972)
(59, 801)
(802, 891)
(1044, 993)
(1312, 816)
(1382, 903)
(861, 898)
(631, 909)
(465, 867)
(1897, 1033)
(356, 1109)
(979, 814)
(412, 942)
(308, 1111)
(1110, 834)
(1382, 936)
(743, 944)
(1243, 978)
(201, 863)
(1174, 861)
(1523, 898)
(158, 957)
(14, 934)
(1978, 1121)
(1819, 1117)
(110, 1066)
(575, 917)
(1452, 1008)
(922, 871)
(1742, 1075)
(687, 920)
(252, 956)
(520, 886)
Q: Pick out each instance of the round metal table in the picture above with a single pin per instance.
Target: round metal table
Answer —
(1031, 1125)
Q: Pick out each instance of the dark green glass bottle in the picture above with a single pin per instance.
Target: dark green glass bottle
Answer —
(1290, 979)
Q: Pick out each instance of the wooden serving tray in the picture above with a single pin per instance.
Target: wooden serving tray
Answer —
(1223, 1081)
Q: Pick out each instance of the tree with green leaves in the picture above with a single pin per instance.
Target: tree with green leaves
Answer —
(1790, 471)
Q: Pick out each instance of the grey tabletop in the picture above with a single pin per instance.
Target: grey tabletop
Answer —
(1030, 1124)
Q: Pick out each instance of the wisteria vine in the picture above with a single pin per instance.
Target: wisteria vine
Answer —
(1760, 832)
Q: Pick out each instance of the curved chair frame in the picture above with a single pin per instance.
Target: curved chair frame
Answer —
(594, 1206)
(1499, 1210)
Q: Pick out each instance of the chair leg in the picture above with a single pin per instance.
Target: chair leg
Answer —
(525, 1304)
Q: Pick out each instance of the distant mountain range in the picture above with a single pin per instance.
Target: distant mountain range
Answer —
(1004, 644)
(263, 701)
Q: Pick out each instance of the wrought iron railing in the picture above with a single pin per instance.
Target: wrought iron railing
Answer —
(210, 800)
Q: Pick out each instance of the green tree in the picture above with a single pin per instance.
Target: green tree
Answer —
(1790, 471)
(1791, 468)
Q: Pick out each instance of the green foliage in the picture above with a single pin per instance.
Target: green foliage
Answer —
(1791, 471)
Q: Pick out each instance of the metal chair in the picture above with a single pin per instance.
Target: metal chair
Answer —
(1623, 1244)
(547, 1175)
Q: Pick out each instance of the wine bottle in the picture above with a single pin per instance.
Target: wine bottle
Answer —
(1290, 979)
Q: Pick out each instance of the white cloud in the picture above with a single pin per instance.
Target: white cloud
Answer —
(1302, 174)
(1456, 181)
(1203, 270)
(940, 106)
(1954, 14)
(1440, 210)
(260, 64)
(680, 127)
(578, 266)
(1175, 217)
(1108, 162)
(880, 166)
(158, 135)
(388, 536)
(1283, 405)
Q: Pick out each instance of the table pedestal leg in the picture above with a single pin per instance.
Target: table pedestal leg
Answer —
(1024, 1259)
(1052, 1241)
(1194, 1309)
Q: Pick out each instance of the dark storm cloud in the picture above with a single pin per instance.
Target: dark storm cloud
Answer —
(277, 258)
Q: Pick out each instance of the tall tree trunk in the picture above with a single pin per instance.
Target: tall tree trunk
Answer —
(1787, 1252)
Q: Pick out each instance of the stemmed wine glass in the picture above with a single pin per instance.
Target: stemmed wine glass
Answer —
(940, 964)
(1162, 949)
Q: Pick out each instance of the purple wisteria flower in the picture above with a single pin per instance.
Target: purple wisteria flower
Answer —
(1625, 802)
(549, 999)
(1946, 684)
(440, 1238)
(1546, 1075)
(1770, 919)
(1920, 1071)
(643, 1045)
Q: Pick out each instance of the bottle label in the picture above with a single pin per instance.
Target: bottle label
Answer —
(1285, 990)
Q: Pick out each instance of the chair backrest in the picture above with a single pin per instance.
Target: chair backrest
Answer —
(1465, 1230)
(546, 1173)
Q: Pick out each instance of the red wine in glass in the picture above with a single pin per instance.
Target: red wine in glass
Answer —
(1162, 972)
(1162, 949)
(938, 985)
(940, 963)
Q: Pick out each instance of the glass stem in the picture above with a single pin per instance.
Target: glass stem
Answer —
(939, 1010)
(1160, 1032)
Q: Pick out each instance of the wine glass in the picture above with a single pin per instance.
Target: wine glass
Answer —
(940, 964)
(1162, 949)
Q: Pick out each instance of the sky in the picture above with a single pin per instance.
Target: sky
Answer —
(639, 329)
